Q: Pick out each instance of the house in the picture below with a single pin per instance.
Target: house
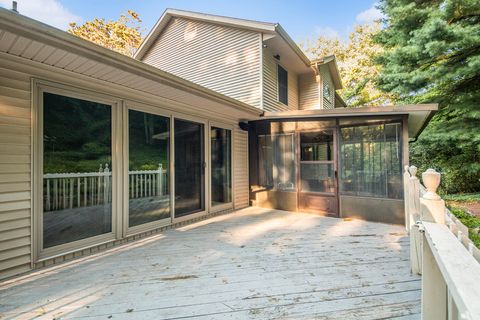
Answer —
(213, 114)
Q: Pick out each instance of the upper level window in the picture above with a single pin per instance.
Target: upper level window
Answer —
(327, 93)
(282, 85)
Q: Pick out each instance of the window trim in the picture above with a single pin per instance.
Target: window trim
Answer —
(228, 205)
(278, 84)
(132, 230)
(39, 87)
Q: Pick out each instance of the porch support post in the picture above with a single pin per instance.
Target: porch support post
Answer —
(434, 288)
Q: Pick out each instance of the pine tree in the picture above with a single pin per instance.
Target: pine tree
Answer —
(432, 54)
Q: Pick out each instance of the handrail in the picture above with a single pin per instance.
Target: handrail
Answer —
(440, 251)
(460, 271)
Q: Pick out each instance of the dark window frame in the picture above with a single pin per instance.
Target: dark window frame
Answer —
(282, 84)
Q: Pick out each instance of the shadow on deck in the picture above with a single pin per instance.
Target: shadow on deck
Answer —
(252, 264)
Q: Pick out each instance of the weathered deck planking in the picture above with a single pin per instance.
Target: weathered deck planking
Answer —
(252, 264)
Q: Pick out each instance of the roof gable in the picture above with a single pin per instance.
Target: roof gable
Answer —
(266, 28)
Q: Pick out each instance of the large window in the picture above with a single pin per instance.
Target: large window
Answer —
(277, 161)
(149, 144)
(77, 162)
(282, 85)
(371, 161)
(220, 143)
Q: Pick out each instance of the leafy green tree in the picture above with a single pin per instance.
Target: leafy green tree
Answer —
(432, 54)
(356, 64)
(123, 35)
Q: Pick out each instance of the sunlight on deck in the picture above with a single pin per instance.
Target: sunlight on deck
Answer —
(252, 264)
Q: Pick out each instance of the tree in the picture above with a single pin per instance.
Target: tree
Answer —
(432, 54)
(356, 64)
(123, 35)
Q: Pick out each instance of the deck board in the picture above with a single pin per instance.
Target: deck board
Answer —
(251, 264)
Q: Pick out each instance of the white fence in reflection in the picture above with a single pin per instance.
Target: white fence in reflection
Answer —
(75, 190)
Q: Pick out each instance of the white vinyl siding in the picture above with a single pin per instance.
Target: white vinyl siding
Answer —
(327, 80)
(240, 156)
(15, 180)
(309, 91)
(270, 85)
(220, 58)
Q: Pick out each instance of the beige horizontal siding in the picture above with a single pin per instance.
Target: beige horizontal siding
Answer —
(15, 179)
(240, 156)
(270, 85)
(220, 58)
(309, 91)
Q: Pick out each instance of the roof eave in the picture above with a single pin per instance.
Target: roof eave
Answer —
(284, 35)
(422, 113)
(32, 28)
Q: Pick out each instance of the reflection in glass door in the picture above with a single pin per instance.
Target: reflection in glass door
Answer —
(148, 187)
(221, 164)
(189, 167)
(77, 175)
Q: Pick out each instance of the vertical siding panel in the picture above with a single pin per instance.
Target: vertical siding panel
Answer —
(220, 58)
(270, 85)
(15, 179)
(240, 155)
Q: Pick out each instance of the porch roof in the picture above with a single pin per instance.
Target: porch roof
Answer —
(418, 114)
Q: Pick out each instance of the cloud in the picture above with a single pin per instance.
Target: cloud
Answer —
(369, 15)
(327, 32)
(47, 11)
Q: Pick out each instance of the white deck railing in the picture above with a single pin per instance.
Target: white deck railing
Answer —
(440, 251)
(75, 190)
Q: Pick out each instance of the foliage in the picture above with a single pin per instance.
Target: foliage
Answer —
(466, 197)
(355, 63)
(123, 35)
(471, 222)
(432, 54)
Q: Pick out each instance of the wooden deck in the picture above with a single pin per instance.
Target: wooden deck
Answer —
(252, 264)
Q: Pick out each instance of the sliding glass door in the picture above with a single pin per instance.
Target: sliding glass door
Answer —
(148, 168)
(77, 169)
(221, 166)
(189, 167)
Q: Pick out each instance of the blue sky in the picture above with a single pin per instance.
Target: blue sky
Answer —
(301, 19)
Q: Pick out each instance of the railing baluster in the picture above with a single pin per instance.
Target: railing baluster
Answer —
(47, 204)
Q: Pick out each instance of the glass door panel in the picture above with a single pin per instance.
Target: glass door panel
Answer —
(189, 167)
(77, 175)
(221, 166)
(148, 178)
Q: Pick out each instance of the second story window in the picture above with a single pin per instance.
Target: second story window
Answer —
(282, 85)
(327, 94)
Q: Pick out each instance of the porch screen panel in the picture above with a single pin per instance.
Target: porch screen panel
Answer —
(370, 161)
(77, 162)
(277, 161)
(149, 149)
